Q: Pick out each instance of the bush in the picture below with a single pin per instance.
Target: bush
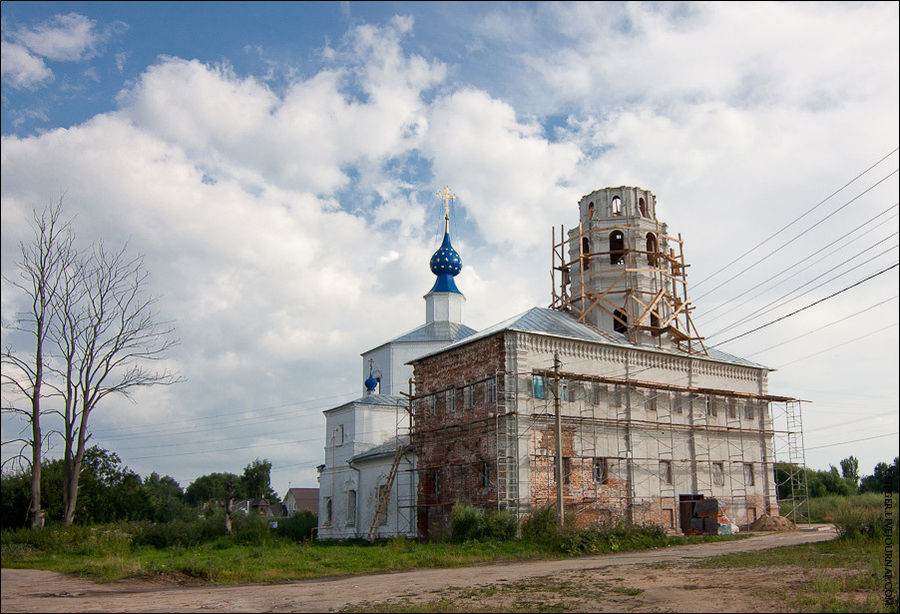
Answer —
(541, 526)
(184, 533)
(75, 539)
(470, 523)
(298, 527)
(854, 521)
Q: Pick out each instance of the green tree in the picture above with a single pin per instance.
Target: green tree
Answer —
(212, 488)
(255, 482)
(165, 498)
(883, 477)
(850, 469)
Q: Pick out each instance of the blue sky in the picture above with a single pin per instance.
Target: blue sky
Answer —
(277, 163)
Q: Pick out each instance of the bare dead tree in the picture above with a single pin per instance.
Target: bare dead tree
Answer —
(106, 332)
(41, 269)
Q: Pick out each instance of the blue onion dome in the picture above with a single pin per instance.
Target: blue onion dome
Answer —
(371, 383)
(446, 264)
(445, 260)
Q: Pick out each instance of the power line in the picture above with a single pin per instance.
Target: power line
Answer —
(786, 298)
(816, 252)
(789, 224)
(821, 300)
(841, 443)
(834, 347)
(797, 236)
(815, 330)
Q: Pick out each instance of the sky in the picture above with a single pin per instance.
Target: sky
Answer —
(277, 163)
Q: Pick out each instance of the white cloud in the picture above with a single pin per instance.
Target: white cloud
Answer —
(69, 38)
(21, 68)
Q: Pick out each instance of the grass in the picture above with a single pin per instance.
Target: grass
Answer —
(843, 575)
(105, 554)
(823, 509)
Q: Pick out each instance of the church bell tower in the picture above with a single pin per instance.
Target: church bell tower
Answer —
(620, 270)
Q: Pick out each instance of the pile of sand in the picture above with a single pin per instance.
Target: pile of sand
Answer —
(773, 523)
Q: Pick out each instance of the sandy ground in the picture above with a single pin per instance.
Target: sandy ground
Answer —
(602, 583)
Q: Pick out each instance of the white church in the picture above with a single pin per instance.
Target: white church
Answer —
(362, 437)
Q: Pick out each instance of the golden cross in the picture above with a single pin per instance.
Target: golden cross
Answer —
(447, 196)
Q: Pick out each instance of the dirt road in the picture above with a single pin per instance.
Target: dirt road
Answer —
(43, 591)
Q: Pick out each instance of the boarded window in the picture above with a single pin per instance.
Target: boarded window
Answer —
(601, 471)
(384, 493)
(617, 396)
(537, 386)
(351, 507)
(567, 470)
(718, 474)
(490, 390)
(328, 510)
(749, 478)
(749, 414)
(677, 403)
(669, 517)
(665, 472)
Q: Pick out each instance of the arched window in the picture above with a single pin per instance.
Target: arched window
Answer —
(616, 247)
(652, 248)
(620, 321)
(590, 211)
(642, 206)
(585, 251)
(616, 206)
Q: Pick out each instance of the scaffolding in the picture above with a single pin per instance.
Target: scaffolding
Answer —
(657, 304)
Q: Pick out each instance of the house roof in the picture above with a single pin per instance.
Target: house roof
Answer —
(306, 498)
(433, 331)
(388, 448)
(543, 321)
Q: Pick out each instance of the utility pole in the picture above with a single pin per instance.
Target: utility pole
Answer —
(560, 510)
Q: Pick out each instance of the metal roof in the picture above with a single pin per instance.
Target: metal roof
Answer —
(434, 331)
(385, 400)
(541, 320)
(388, 448)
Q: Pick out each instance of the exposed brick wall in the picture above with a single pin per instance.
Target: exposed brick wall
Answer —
(455, 440)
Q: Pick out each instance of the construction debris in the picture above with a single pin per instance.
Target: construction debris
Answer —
(773, 523)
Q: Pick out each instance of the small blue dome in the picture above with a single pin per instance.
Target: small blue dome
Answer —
(445, 260)
(371, 383)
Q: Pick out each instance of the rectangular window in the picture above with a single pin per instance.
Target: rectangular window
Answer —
(485, 474)
(718, 474)
(434, 403)
(669, 517)
(384, 493)
(472, 396)
(677, 407)
(601, 471)
(567, 469)
(749, 478)
(711, 406)
(651, 401)
(749, 414)
(732, 408)
(451, 400)
(351, 507)
(537, 386)
(436, 477)
(665, 472)
(490, 387)
(617, 396)
(564, 390)
(328, 510)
